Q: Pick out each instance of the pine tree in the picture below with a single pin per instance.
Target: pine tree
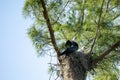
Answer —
(94, 24)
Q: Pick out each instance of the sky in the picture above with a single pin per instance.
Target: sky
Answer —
(18, 58)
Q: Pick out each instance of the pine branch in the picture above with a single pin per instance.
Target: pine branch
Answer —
(51, 31)
(61, 12)
(81, 18)
(106, 52)
(106, 9)
(83, 14)
(97, 30)
(116, 17)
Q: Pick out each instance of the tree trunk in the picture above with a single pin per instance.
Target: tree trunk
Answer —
(74, 66)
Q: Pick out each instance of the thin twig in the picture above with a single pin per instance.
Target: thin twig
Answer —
(116, 17)
(97, 30)
(64, 34)
(61, 12)
(51, 75)
(50, 65)
(57, 77)
(81, 19)
(107, 7)
(52, 6)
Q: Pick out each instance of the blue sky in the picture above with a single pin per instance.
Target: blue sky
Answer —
(18, 59)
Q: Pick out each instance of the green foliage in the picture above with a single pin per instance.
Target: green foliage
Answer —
(39, 38)
(81, 19)
(107, 75)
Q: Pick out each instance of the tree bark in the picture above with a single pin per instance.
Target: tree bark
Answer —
(74, 66)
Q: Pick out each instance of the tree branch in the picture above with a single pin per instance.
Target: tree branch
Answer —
(51, 31)
(97, 30)
(61, 12)
(106, 52)
(116, 17)
(107, 8)
(83, 14)
(81, 18)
